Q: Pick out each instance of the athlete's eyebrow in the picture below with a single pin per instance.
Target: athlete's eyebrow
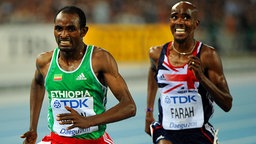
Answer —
(57, 27)
(73, 27)
(192, 10)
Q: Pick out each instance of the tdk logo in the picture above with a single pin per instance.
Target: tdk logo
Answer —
(56, 104)
(71, 103)
(180, 99)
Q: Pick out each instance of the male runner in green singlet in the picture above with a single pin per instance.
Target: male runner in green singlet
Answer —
(76, 77)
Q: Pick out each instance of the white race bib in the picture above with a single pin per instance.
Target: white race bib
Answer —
(182, 111)
(84, 106)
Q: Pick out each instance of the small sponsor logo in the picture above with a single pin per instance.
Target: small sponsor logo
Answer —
(81, 77)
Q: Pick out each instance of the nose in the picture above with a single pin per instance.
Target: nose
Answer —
(64, 34)
(180, 21)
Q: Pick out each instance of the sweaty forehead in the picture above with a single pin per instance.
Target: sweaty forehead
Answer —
(184, 8)
(67, 18)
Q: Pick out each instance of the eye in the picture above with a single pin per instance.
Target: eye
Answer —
(58, 28)
(71, 28)
(173, 17)
(186, 17)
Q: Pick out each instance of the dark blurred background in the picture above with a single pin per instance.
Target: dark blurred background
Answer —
(228, 25)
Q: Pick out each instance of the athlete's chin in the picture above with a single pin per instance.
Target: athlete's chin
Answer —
(179, 40)
(65, 48)
(179, 37)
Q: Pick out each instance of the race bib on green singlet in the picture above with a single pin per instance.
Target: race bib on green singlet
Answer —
(84, 106)
(182, 111)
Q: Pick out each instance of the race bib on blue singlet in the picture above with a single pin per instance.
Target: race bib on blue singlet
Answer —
(182, 111)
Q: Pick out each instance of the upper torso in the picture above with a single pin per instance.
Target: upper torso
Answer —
(184, 102)
(79, 89)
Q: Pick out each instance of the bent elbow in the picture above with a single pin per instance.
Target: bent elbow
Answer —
(227, 109)
(228, 106)
(133, 110)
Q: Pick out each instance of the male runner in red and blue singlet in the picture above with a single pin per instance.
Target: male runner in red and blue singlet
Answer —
(190, 78)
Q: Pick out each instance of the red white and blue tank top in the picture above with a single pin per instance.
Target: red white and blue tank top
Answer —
(183, 102)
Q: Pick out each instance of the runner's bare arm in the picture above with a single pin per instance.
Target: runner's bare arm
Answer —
(126, 106)
(37, 91)
(154, 54)
(216, 82)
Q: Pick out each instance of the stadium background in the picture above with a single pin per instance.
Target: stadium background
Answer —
(127, 28)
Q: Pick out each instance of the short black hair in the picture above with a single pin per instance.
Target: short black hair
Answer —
(74, 10)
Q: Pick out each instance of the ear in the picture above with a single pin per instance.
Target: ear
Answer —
(197, 22)
(84, 31)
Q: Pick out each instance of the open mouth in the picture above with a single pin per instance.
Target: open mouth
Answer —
(180, 30)
(64, 43)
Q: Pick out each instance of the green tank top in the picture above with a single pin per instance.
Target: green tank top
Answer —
(79, 89)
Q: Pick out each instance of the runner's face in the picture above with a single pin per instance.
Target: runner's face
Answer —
(183, 21)
(67, 31)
